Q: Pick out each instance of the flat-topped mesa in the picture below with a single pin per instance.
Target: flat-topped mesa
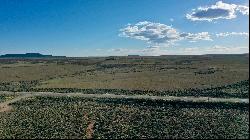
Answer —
(28, 55)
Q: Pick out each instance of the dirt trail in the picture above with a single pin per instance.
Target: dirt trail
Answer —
(4, 107)
(90, 130)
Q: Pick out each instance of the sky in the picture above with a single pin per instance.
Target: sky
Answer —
(124, 27)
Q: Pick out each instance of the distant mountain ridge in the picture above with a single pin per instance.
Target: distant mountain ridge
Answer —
(28, 55)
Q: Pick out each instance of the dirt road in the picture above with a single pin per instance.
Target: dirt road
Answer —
(4, 107)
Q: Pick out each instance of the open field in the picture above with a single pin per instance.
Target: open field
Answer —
(125, 97)
(124, 69)
(130, 73)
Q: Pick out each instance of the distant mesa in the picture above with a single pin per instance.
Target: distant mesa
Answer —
(29, 55)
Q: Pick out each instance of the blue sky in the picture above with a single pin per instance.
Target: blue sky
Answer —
(119, 27)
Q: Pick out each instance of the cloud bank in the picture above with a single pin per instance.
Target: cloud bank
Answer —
(156, 51)
(157, 33)
(232, 34)
(218, 11)
(216, 49)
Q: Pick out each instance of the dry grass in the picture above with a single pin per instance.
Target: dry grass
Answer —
(147, 73)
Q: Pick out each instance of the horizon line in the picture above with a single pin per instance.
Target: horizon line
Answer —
(128, 55)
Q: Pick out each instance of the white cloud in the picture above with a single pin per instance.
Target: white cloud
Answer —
(158, 34)
(232, 34)
(148, 51)
(243, 9)
(151, 32)
(196, 36)
(218, 11)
